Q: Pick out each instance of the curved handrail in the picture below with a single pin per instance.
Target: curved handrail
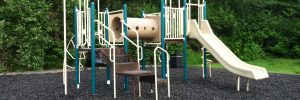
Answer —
(112, 46)
(159, 59)
(155, 71)
(135, 44)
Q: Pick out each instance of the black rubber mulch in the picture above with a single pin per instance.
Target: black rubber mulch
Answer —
(221, 86)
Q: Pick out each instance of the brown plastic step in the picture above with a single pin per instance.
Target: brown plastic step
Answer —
(126, 66)
(119, 51)
(151, 79)
(135, 73)
(88, 49)
(173, 41)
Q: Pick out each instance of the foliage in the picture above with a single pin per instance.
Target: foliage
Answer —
(256, 29)
(31, 31)
(25, 37)
(31, 35)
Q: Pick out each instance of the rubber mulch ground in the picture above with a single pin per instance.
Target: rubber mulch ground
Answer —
(221, 86)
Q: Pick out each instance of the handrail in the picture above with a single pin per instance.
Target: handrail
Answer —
(111, 46)
(159, 59)
(135, 44)
(104, 38)
(155, 71)
(116, 11)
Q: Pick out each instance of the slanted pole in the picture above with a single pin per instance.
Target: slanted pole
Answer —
(93, 50)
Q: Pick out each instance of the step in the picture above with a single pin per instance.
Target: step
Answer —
(136, 73)
(126, 66)
(151, 79)
(88, 49)
(119, 59)
(119, 51)
(174, 41)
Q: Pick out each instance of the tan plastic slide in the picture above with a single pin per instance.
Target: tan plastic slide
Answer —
(222, 53)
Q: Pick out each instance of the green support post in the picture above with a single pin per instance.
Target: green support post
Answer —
(93, 48)
(126, 82)
(106, 24)
(144, 51)
(163, 56)
(107, 39)
(204, 49)
(76, 49)
(185, 41)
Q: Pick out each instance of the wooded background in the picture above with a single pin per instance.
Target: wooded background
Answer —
(31, 31)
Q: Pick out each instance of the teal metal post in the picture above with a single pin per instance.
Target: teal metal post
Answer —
(106, 24)
(144, 51)
(163, 56)
(126, 82)
(204, 50)
(107, 39)
(185, 41)
(93, 48)
(76, 49)
(125, 27)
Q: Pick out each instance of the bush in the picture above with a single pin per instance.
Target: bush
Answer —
(254, 29)
(26, 40)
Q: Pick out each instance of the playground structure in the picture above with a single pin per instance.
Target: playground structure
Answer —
(112, 31)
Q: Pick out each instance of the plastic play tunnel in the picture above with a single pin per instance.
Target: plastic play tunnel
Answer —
(147, 28)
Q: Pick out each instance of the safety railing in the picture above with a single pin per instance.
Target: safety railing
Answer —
(208, 62)
(200, 11)
(112, 53)
(174, 23)
(83, 30)
(155, 71)
(101, 29)
(139, 48)
(116, 11)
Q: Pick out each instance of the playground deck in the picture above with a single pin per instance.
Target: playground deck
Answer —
(221, 86)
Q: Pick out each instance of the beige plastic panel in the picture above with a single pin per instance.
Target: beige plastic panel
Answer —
(148, 28)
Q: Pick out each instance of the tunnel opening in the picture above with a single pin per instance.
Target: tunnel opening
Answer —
(117, 27)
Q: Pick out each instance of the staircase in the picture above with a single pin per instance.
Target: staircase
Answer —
(125, 62)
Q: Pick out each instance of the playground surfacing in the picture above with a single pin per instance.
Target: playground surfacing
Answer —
(222, 85)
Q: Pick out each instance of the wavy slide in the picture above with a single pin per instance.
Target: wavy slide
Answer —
(223, 54)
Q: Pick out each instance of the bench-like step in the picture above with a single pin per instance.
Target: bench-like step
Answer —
(151, 79)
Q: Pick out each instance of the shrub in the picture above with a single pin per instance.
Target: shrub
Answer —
(26, 34)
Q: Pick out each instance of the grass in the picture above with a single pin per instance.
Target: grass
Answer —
(273, 65)
(279, 65)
